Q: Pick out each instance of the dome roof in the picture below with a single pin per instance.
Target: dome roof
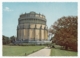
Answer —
(32, 12)
(31, 15)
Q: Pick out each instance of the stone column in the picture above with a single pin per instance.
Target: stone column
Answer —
(40, 32)
(34, 34)
(28, 32)
(17, 33)
(20, 34)
(47, 35)
(40, 35)
(44, 33)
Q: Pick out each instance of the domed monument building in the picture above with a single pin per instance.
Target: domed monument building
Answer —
(32, 27)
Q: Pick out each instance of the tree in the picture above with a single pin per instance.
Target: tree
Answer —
(5, 40)
(12, 38)
(65, 32)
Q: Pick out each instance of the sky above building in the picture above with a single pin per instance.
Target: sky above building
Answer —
(52, 10)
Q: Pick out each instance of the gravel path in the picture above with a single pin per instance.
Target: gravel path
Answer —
(43, 52)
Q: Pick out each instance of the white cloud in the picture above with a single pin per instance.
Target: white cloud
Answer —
(7, 9)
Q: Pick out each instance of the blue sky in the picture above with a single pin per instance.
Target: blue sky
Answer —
(52, 10)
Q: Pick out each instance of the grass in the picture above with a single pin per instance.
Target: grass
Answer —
(19, 50)
(58, 52)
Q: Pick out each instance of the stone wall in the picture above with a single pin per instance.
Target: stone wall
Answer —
(30, 28)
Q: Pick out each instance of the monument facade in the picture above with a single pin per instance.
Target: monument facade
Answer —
(32, 27)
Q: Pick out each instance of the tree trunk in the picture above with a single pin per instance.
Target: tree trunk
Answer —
(66, 47)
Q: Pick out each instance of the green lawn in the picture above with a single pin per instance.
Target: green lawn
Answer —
(19, 50)
(58, 52)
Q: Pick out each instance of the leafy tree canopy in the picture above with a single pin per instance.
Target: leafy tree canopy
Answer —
(65, 32)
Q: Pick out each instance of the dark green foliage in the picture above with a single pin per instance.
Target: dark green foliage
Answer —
(12, 38)
(5, 40)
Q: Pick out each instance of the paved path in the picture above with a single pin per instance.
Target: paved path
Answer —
(43, 52)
